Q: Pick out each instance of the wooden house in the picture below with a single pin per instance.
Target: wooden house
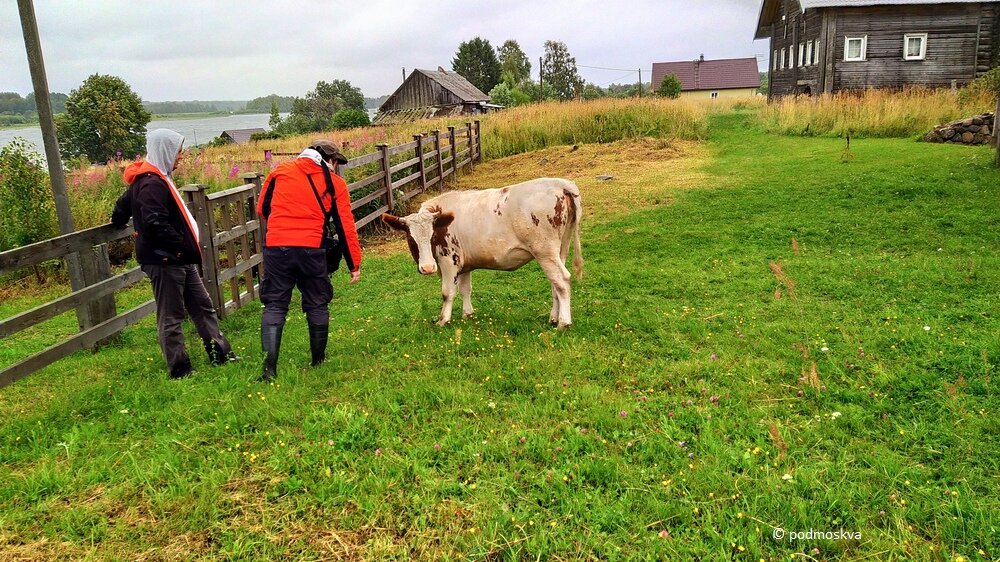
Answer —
(711, 79)
(240, 136)
(825, 46)
(432, 93)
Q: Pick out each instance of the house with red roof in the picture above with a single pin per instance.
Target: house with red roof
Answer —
(711, 79)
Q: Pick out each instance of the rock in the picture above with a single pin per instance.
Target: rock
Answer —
(543, 161)
(985, 130)
(947, 132)
(968, 137)
(979, 138)
(978, 120)
(967, 122)
(973, 128)
(932, 136)
(605, 178)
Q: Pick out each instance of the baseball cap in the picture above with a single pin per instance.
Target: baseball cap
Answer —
(328, 150)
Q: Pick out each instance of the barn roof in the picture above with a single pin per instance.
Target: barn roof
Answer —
(240, 136)
(770, 10)
(456, 84)
(701, 74)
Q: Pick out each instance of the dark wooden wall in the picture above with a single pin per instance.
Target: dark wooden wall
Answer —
(420, 91)
(963, 41)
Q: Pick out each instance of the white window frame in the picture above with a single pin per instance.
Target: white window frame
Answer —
(816, 52)
(782, 58)
(802, 54)
(923, 46)
(715, 95)
(809, 53)
(864, 48)
(774, 60)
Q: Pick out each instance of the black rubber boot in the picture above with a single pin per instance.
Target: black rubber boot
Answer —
(318, 336)
(270, 343)
(220, 354)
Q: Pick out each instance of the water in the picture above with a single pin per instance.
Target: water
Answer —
(195, 131)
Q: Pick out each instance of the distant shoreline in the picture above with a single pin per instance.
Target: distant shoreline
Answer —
(156, 117)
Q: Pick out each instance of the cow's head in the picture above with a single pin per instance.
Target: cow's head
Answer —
(420, 229)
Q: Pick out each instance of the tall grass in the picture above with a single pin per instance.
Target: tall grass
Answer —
(872, 113)
(538, 126)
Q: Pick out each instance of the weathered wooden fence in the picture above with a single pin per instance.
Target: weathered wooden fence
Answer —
(231, 237)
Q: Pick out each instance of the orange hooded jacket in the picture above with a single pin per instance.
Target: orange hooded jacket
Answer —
(293, 215)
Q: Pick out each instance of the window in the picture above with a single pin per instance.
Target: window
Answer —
(809, 54)
(802, 54)
(855, 48)
(816, 52)
(782, 59)
(914, 46)
(715, 95)
(774, 60)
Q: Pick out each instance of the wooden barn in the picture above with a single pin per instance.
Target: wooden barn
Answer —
(711, 79)
(824, 46)
(240, 136)
(432, 93)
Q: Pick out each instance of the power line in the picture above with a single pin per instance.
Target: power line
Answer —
(603, 68)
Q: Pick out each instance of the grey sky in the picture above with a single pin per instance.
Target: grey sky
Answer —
(174, 50)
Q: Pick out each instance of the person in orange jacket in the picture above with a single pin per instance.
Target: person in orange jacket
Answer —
(167, 248)
(294, 202)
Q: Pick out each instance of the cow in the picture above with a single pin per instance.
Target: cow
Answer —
(502, 229)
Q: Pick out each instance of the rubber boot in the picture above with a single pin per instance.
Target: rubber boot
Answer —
(220, 354)
(270, 343)
(318, 336)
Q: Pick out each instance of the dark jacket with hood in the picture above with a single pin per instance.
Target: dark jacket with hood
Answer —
(163, 235)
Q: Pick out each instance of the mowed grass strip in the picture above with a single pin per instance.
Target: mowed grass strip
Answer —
(769, 335)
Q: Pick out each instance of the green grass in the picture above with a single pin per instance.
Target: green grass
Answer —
(678, 417)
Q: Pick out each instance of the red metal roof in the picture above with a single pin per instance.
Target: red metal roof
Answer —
(704, 74)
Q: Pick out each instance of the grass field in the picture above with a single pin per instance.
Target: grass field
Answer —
(773, 336)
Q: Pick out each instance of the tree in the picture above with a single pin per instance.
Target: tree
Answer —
(27, 212)
(275, 118)
(592, 92)
(763, 89)
(104, 119)
(501, 95)
(670, 87)
(477, 62)
(559, 70)
(315, 112)
(515, 67)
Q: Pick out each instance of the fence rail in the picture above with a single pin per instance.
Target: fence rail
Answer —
(231, 237)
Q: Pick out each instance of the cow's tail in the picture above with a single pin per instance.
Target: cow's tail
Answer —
(577, 252)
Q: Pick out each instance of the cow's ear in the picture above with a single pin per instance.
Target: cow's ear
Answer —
(393, 222)
(443, 220)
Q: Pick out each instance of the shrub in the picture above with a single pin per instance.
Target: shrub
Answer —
(349, 119)
(670, 87)
(27, 213)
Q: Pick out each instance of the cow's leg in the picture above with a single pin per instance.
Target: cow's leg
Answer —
(554, 313)
(559, 277)
(465, 287)
(449, 282)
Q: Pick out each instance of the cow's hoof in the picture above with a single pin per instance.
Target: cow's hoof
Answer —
(441, 323)
(468, 314)
(553, 322)
(565, 326)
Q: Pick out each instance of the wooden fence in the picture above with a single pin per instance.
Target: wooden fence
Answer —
(231, 237)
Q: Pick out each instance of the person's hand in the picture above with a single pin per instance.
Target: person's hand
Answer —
(355, 275)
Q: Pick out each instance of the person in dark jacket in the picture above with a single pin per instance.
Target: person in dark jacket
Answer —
(294, 202)
(167, 249)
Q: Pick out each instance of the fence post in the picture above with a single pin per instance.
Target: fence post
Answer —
(96, 266)
(384, 149)
(479, 142)
(203, 215)
(440, 162)
(420, 163)
(454, 160)
(468, 138)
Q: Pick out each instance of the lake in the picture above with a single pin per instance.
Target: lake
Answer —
(195, 131)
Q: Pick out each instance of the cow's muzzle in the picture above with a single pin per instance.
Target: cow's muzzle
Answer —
(428, 269)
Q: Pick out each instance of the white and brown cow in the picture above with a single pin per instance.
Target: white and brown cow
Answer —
(502, 228)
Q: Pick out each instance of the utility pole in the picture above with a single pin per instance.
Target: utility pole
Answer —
(541, 91)
(33, 46)
(640, 82)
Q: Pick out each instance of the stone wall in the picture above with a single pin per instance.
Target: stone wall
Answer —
(974, 130)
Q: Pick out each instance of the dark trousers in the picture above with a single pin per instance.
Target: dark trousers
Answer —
(178, 289)
(286, 267)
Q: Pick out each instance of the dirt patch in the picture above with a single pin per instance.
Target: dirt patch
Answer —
(643, 173)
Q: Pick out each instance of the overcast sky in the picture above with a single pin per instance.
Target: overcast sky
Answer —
(182, 50)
